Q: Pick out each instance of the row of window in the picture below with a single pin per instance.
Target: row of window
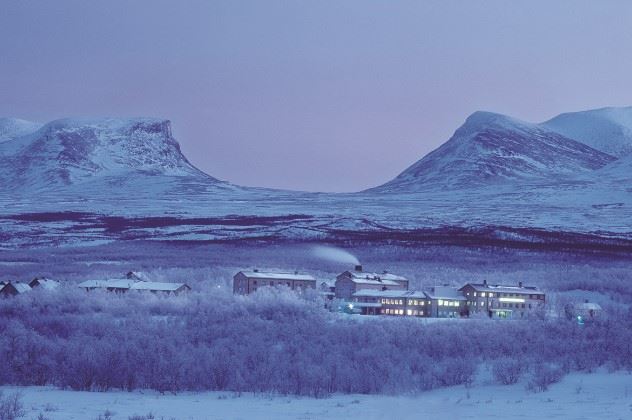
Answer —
(409, 312)
(491, 294)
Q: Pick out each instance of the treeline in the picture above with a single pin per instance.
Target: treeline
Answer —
(277, 342)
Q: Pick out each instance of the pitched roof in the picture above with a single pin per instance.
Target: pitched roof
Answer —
(107, 284)
(500, 288)
(273, 275)
(157, 286)
(18, 287)
(46, 283)
(390, 293)
(374, 276)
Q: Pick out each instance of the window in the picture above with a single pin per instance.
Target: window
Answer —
(440, 302)
(490, 294)
(475, 294)
(482, 294)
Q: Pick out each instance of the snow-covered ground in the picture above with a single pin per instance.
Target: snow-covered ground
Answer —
(578, 396)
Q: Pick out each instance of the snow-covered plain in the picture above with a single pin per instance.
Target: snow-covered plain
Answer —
(578, 396)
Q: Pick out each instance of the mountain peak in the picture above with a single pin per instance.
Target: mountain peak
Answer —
(11, 128)
(490, 148)
(606, 129)
(74, 150)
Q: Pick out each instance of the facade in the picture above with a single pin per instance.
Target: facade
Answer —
(160, 287)
(350, 282)
(13, 289)
(446, 302)
(246, 282)
(328, 289)
(503, 301)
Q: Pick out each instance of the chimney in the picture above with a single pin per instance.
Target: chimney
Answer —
(485, 282)
(295, 272)
(385, 272)
(358, 268)
(256, 270)
(519, 284)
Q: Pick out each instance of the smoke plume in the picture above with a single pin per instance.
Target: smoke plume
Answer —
(335, 254)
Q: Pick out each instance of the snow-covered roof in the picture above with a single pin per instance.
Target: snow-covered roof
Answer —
(390, 293)
(18, 286)
(588, 306)
(500, 288)
(375, 282)
(363, 275)
(444, 292)
(46, 283)
(277, 275)
(157, 286)
(109, 283)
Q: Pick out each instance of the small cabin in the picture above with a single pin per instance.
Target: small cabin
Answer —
(44, 283)
(14, 289)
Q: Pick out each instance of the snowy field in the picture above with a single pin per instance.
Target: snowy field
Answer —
(577, 396)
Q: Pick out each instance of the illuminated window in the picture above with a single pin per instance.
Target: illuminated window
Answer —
(409, 312)
(474, 293)
(490, 294)
(440, 302)
(482, 294)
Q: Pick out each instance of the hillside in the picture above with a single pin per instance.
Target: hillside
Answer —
(491, 148)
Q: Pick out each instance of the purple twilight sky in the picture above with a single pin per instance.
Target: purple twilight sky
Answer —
(319, 95)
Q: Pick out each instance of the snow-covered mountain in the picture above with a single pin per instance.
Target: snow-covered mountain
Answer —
(607, 129)
(115, 152)
(492, 148)
(11, 128)
(497, 180)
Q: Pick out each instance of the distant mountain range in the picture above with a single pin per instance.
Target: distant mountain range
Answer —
(496, 174)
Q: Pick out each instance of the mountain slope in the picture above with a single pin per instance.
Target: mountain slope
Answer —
(607, 129)
(11, 128)
(70, 152)
(492, 148)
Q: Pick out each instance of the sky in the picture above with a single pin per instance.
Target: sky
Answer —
(312, 95)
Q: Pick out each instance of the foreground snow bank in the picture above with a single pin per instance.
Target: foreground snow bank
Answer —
(577, 396)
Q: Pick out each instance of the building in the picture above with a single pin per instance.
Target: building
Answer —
(391, 302)
(127, 284)
(14, 289)
(328, 289)
(111, 285)
(160, 287)
(44, 283)
(445, 302)
(350, 282)
(503, 301)
(246, 282)
(586, 310)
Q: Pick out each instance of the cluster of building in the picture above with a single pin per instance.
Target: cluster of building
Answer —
(385, 293)
(8, 288)
(131, 281)
(134, 281)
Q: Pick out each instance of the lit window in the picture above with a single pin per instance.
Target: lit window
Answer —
(440, 302)
(490, 294)
(474, 293)
(409, 312)
(482, 294)
(482, 303)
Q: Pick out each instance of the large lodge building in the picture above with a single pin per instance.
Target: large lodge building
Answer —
(388, 294)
